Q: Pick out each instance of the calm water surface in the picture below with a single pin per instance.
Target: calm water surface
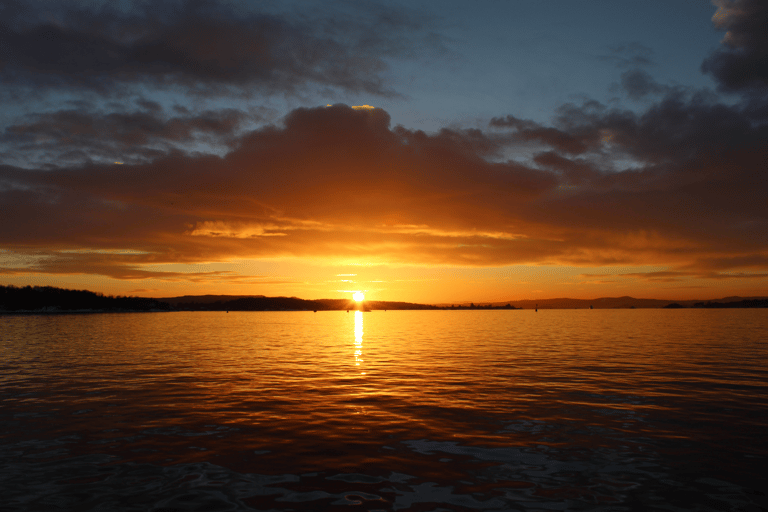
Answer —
(399, 410)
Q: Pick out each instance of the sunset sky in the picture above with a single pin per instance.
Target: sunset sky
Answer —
(416, 150)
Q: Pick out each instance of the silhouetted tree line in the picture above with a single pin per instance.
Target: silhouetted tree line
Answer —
(51, 299)
(746, 303)
(254, 304)
(384, 304)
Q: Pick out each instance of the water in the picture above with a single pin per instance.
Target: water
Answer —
(399, 410)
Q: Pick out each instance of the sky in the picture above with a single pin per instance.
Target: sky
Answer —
(435, 152)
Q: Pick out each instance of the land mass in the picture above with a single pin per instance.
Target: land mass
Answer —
(634, 303)
(48, 299)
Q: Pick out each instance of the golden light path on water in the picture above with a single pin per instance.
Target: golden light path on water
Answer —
(359, 339)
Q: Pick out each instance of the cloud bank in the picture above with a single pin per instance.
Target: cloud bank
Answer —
(342, 184)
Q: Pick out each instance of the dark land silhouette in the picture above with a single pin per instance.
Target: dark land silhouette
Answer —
(745, 303)
(259, 303)
(49, 299)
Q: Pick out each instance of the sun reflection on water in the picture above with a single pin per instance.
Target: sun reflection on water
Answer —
(359, 338)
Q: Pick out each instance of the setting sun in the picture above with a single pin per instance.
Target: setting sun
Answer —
(359, 296)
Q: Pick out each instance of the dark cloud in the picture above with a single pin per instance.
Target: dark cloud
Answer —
(79, 135)
(574, 172)
(526, 130)
(638, 84)
(150, 105)
(742, 64)
(200, 45)
(680, 126)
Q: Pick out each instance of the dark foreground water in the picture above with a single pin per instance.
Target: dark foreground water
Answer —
(435, 410)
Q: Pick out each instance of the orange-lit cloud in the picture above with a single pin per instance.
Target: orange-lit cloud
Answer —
(341, 184)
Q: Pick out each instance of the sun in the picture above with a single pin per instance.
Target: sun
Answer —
(359, 296)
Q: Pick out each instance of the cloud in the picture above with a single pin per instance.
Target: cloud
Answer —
(742, 64)
(97, 81)
(342, 184)
(638, 84)
(573, 171)
(199, 46)
(680, 125)
(81, 134)
(526, 130)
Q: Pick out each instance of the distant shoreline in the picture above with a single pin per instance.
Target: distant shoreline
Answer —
(47, 300)
(47, 311)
